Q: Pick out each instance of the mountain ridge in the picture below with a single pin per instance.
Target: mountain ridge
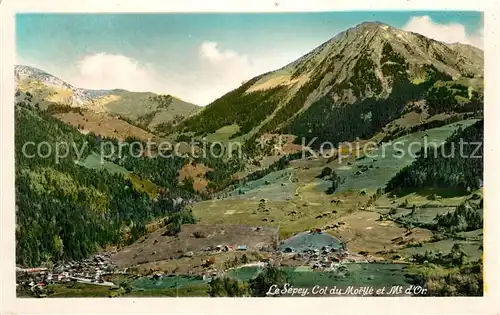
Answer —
(147, 109)
(79, 96)
(369, 62)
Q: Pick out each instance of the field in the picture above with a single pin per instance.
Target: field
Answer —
(357, 275)
(189, 291)
(295, 200)
(364, 233)
(296, 215)
(189, 247)
(420, 199)
(195, 265)
(273, 186)
(375, 274)
(223, 134)
(169, 282)
(93, 161)
(78, 290)
(289, 199)
(105, 125)
(375, 170)
(470, 246)
(86, 290)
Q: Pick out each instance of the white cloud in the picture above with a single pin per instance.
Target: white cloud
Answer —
(109, 71)
(213, 72)
(223, 70)
(216, 72)
(448, 33)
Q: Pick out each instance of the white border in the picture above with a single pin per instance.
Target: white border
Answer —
(9, 304)
(239, 5)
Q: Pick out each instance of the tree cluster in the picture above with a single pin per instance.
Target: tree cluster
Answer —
(65, 211)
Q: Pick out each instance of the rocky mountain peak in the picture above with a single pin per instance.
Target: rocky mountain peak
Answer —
(369, 65)
(373, 53)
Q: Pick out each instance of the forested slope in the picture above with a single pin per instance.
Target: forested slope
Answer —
(65, 211)
(456, 165)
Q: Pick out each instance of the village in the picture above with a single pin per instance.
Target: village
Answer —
(312, 249)
(88, 271)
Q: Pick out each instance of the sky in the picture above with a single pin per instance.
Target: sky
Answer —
(200, 57)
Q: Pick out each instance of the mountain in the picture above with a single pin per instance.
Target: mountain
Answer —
(155, 112)
(351, 86)
(52, 88)
(146, 109)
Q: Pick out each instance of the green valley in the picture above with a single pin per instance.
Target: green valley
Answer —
(358, 164)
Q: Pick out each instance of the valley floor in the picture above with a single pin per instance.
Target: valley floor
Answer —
(384, 234)
(246, 229)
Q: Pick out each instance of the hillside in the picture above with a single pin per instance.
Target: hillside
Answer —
(147, 110)
(53, 89)
(351, 86)
(455, 166)
(158, 113)
(82, 208)
(71, 206)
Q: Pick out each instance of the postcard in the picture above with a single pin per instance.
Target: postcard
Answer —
(293, 154)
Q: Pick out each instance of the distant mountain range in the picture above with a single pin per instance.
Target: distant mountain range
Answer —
(74, 96)
(145, 108)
